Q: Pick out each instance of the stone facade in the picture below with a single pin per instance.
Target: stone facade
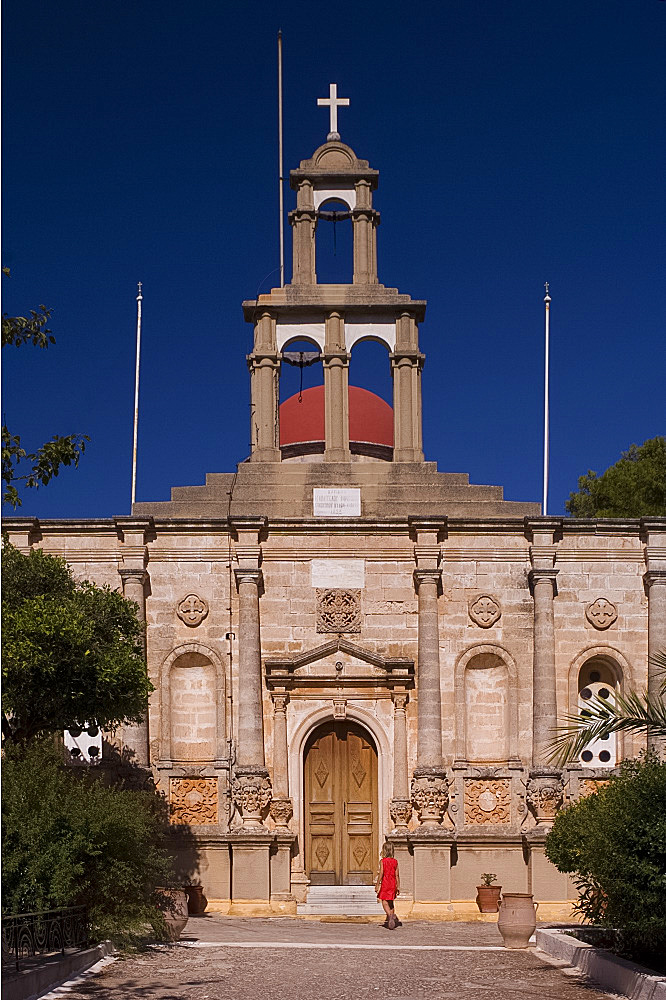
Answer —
(453, 627)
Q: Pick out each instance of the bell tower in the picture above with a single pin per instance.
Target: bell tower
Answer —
(335, 317)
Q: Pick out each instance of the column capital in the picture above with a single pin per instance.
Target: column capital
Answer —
(654, 576)
(427, 576)
(133, 525)
(280, 701)
(133, 573)
(400, 699)
(335, 358)
(240, 524)
(254, 576)
(543, 525)
(537, 575)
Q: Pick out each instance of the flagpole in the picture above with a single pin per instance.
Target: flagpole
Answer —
(546, 404)
(280, 176)
(139, 300)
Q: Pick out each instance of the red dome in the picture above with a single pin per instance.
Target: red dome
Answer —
(370, 418)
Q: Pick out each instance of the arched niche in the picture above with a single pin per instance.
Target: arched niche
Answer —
(192, 705)
(486, 695)
(607, 666)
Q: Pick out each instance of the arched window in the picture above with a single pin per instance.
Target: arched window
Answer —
(598, 678)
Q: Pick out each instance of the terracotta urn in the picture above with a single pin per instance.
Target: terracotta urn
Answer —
(173, 903)
(196, 901)
(517, 919)
(487, 898)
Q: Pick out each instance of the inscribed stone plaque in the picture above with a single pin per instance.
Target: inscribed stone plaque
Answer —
(338, 573)
(337, 503)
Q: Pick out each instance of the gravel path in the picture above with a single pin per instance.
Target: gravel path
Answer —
(222, 958)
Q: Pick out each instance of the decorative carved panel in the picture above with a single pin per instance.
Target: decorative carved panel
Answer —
(590, 785)
(601, 613)
(485, 611)
(338, 610)
(193, 800)
(192, 610)
(487, 801)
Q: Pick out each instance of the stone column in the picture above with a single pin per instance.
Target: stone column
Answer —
(544, 702)
(251, 787)
(336, 407)
(401, 807)
(656, 586)
(545, 788)
(281, 805)
(304, 224)
(135, 737)
(429, 786)
(654, 529)
(364, 222)
(336, 391)
(406, 365)
(265, 418)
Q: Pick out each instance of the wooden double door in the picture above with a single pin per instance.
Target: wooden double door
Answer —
(341, 805)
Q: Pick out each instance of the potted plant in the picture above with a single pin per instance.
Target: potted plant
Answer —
(487, 895)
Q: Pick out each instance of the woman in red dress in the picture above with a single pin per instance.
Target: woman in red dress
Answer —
(387, 885)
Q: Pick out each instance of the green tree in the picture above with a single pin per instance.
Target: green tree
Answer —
(72, 652)
(44, 463)
(635, 712)
(634, 487)
(614, 844)
(76, 836)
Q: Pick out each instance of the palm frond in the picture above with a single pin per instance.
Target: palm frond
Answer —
(638, 712)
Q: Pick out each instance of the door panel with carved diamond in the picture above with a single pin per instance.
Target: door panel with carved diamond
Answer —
(341, 805)
(320, 784)
(360, 796)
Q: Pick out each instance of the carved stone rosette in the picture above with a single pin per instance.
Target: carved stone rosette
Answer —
(401, 812)
(487, 801)
(545, 794)
(601, 613)
(338, 610)
(281, 811)
(430, 795)
(193, 800)
(251, 790)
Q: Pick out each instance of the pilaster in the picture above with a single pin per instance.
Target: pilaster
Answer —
(132, 536)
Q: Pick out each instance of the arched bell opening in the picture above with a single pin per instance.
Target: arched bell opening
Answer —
(340, 772)
(334, 243)
(301, 367)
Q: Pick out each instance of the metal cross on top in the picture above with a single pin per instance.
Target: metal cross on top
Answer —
(333, 102)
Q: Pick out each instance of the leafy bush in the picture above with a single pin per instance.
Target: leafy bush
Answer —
(71, 652)
(614, 844)
(71, 839)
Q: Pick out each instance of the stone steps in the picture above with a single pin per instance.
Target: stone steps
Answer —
(340, 900)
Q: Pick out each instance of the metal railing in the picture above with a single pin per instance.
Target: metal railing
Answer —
(25, 935)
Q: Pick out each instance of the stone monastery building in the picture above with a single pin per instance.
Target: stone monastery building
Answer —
(347, 645)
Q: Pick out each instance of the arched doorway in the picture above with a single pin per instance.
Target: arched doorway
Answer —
(341, 822)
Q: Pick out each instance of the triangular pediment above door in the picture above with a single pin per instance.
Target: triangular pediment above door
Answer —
(338, 662)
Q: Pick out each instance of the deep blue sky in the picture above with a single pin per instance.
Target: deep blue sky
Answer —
(516, 142)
